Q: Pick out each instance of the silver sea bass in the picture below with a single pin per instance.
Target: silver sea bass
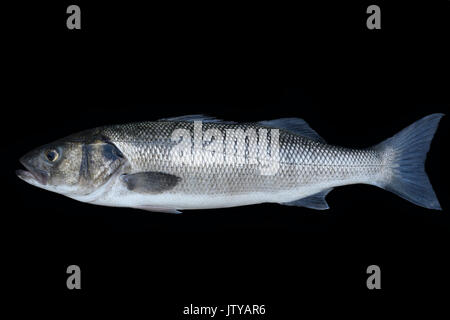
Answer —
(141, 165)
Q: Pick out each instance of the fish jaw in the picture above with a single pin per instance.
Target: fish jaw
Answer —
(28, 177)
(37, 178)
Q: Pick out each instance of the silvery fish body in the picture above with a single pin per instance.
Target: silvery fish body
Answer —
(194, 162)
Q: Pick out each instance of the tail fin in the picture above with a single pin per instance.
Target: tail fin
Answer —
(406, 153)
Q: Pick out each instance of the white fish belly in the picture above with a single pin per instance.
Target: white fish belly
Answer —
(119, 196)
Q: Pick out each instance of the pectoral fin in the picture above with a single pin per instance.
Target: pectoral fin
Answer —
(316, 201)
(150, 182)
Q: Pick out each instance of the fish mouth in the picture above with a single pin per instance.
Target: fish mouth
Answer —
(32, 174)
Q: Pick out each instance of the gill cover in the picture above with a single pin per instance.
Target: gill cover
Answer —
(100, 159)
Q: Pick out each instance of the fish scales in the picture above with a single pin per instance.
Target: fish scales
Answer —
(303, 162)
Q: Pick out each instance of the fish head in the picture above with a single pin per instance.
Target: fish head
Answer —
(72, 167)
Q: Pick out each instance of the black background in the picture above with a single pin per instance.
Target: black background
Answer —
(135, 61)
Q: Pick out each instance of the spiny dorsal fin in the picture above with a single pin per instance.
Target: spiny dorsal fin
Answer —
(294, 125)
(316, 201)
(196, 117)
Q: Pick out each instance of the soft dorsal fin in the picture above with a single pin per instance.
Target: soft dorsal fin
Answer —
(316, 201)
(294, 125)
(196, 117)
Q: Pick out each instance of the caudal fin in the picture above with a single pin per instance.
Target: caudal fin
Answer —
(405, 155)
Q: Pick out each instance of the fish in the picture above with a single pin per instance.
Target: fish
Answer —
(199, 162)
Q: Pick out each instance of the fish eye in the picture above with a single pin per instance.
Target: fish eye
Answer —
(52, 155)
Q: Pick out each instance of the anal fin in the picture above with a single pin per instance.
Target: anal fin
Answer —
(316, 201)
(158, 209)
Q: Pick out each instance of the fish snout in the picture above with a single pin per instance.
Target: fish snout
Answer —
(34, 168)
